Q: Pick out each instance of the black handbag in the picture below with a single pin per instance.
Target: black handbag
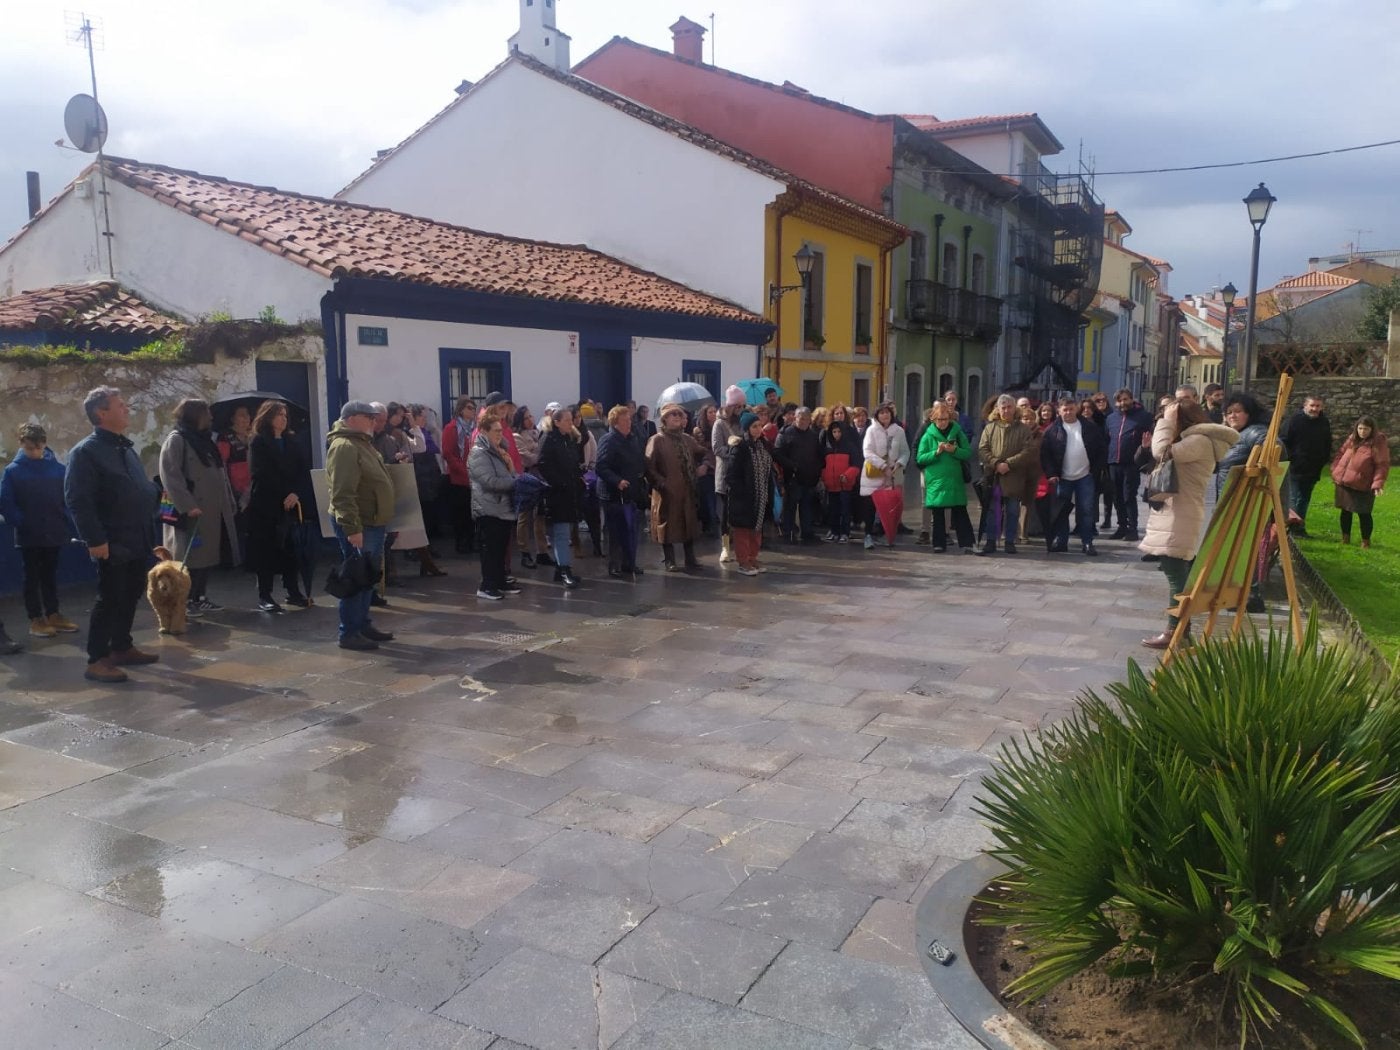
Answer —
(1162, 482)
(354, 575)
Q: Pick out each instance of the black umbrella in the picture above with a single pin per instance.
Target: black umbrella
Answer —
(298, 418)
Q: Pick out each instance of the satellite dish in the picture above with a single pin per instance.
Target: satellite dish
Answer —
(85, 123)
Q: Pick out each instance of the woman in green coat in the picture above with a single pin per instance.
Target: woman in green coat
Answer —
(943, 450)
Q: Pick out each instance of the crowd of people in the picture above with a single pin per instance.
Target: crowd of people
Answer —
(515, 488)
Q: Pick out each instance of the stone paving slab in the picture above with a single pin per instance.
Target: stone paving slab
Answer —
(675, 813)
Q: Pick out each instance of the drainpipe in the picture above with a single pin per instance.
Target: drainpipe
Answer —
(962, 342)
(938, 274)
(938, 246)
(884, 316)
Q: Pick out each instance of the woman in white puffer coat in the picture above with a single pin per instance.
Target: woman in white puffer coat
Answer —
(1176, 523)
(886, 449)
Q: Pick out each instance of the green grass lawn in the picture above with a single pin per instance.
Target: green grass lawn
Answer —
(1367, 582)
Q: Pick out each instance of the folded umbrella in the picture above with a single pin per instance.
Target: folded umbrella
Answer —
(529, 490)
(889, 507)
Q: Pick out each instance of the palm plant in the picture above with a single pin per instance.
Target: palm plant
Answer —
(1234, 813)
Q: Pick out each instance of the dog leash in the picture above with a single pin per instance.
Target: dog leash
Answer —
(194, 535)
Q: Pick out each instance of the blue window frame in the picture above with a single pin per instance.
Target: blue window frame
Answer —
(473, 372)
(706, 373)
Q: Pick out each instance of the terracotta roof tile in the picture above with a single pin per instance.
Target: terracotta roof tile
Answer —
(339, 239)
(1031, 121)
(1317, 279)
(931, 123)
(896, 233)
(1195, 347)
(103, 307)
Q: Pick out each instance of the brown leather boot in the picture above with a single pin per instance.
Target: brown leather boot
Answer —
(104, 670)
(1365, 545)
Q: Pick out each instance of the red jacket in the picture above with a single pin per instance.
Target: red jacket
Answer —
(1362, 467)
(457, 462)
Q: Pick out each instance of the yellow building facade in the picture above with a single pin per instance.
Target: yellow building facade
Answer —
(832, 338)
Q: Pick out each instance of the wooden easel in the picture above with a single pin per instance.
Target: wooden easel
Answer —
(1220, 577)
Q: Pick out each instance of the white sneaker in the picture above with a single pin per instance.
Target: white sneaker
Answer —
(724, 556)
(869, 542)
(830, 537)
(760, 568)
(745, 570)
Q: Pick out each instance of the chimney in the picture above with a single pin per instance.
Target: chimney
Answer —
(688, 40)
(31, 179)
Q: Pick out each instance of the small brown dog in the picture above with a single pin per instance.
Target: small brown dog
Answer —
(167, 589)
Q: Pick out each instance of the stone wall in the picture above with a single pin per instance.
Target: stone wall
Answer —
(52, 394)
(1347, 399)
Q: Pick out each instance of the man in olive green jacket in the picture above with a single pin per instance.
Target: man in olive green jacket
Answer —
(361, 505)
(1008, 453)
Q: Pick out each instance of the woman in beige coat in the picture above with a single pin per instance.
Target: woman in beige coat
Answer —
(675, 464)
(1186, 436)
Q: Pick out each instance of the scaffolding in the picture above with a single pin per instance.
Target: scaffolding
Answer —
(1057, 249)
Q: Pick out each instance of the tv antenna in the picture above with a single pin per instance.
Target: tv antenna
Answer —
(712, 38)
(1354, 247)
(83, 118)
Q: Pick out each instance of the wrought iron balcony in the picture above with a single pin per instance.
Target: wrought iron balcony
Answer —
(953, 311)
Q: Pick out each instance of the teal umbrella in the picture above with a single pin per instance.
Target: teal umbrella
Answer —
(756, 390)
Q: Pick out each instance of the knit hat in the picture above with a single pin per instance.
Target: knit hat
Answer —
(585, 410)
(494, 398)
(746, 420)
(734, 396)
(553, 406)
(357, 408)
(669, 406)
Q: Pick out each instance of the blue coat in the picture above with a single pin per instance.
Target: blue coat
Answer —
(31, 498)
(111, 499)
(621, 459)
(1125, 433)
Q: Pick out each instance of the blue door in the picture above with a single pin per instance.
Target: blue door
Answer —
(605, 377)
(292, 381)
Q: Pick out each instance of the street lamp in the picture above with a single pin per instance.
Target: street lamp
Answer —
(1227, 297)
(804, 259)
(1259, 201)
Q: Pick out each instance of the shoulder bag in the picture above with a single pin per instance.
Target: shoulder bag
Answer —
(1162, 482)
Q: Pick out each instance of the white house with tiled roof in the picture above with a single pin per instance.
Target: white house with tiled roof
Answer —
(533, 150)
(412, 309)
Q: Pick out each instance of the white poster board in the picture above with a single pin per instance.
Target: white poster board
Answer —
(408, 513)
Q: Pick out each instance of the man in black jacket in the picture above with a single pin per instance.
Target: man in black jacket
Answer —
(1126, 426)
(1308, 438)
(113, 505)
(799, 452)
(1072, 453)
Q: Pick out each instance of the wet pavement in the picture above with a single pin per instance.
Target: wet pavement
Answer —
(685, 812)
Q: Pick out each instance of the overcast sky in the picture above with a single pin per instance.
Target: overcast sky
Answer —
(300, 94)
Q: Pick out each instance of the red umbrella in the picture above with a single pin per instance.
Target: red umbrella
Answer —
(889, 504)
